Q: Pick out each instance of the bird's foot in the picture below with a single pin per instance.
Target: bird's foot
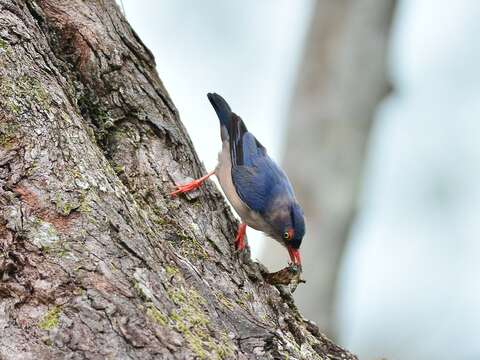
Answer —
(239, 243)
(180, 189)
(195, 184)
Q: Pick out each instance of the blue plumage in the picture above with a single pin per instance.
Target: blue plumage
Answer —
(259, 183)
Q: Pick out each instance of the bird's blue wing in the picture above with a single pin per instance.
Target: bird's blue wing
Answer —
(244, 147)
(257, 179)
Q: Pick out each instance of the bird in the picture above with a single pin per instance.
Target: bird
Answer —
(256, 187)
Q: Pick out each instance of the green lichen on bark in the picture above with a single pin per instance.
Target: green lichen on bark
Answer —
(23, 93)
(244, 300)
(51, 319)
(190, 320)
(190, 317)
(156, 315)
(140, 290)
(190, 247)
(171, 270)
(222, 299)
(91, 107)
(43, 234)
(85, 200)
(119, 168)
(8, 134)
(63, 206)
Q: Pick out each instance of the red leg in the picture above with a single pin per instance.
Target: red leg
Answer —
(239, 243)
(195, 184)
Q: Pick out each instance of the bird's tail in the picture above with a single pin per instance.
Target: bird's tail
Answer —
(222, 109)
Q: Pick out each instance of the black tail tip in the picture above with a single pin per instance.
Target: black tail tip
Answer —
(214, 96)
(221, 108)
(217, 101)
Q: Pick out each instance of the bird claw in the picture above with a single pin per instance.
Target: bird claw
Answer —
(239, 240)
(181, 189)
(193, 185)
(239, 244)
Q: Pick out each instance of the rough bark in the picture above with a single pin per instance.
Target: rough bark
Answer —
(97, 261)
(341, 81)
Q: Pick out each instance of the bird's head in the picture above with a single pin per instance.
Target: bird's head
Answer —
(290, 229)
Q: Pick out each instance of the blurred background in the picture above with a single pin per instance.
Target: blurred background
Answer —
(372, 107)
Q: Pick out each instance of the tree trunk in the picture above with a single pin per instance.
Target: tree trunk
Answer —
(97, 261)
(341, 81)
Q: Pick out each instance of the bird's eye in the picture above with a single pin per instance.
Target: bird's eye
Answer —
(286, 235)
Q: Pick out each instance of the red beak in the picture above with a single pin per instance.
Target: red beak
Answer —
(294, 256)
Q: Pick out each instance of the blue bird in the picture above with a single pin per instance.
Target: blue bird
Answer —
(257, 188)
